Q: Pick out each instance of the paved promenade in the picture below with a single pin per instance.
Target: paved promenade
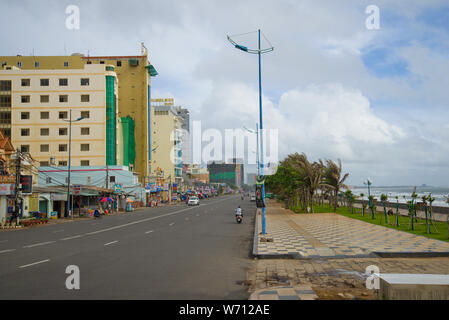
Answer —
(329, 235)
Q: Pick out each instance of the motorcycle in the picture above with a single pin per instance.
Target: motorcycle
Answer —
(238, 218)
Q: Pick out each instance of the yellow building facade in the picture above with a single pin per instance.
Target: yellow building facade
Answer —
(134, 92)
(166, 151)
(44, 100)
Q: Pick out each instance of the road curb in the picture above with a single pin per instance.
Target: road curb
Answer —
(256, 235)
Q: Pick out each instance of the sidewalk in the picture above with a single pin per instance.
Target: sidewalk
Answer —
(331, 254)
(329, 235)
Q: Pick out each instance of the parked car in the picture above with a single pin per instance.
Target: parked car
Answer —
(194, 201)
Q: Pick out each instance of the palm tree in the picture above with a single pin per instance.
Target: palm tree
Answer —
(363, 204)
(383, 199)
(333, 178)
(350, 198)
(397, 211)
(412, 208)
(372, 207)
(424, 199)
(311, 174)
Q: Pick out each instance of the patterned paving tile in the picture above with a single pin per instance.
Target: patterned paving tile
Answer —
(332, 234)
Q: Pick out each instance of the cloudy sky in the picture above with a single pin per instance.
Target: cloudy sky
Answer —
(376, 99)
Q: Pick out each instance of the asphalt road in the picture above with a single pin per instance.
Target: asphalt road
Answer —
(173, 252)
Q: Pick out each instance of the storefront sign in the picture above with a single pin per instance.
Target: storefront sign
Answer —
(6, 189)
(27, 184)
(7, 179)
(76, 190)
(58, 196)
(117, 188)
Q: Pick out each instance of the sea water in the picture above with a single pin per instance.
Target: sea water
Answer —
(439, 193)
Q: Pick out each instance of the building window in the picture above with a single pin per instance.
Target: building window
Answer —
(45, 115)
(84, 81)
(85, 131)
(44, 164)
(25, 132)
(45, 147)
(5, 85)
(62, 131)
(37, 64)
(89, 62)
(25, 148)
(119, 63)
(85, 114)
(45, 82)
(19, 64)
(85, 98)
(25, 82)
(63, 82)
(45, 99)
(5, 101)
(62, 115)
(5, 117)
(85, 163)
(45, 131)
(47, 179)
(112, 179)
(25, 99)
(101, 62)
(62, 147)
(84, 147)
(24, 115)
(63, 98)
(66, 63)
(62, 164)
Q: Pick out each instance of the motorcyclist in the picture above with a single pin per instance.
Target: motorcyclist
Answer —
(238, 212)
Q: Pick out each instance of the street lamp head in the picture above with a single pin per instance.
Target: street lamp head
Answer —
(240, 47)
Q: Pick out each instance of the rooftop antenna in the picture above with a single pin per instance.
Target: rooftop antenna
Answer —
(143, 49)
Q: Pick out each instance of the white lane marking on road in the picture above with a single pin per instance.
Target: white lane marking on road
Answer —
(38, 244)
(187, 219)
(7, 250)
(106, 244)
(171, 224)
(147, 219)
(58, 231)
(1, 241)
(73, 237)
(149, 231)
(34, 263)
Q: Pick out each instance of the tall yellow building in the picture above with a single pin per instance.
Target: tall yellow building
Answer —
(134, 94)
(43, 101)
(167, 143)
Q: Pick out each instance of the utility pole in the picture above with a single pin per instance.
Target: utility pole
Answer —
(107, 176)
(18, 189)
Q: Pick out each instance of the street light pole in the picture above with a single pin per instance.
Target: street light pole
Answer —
(259, 52)
(257, 147)
(70, 154)
(68, 171)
